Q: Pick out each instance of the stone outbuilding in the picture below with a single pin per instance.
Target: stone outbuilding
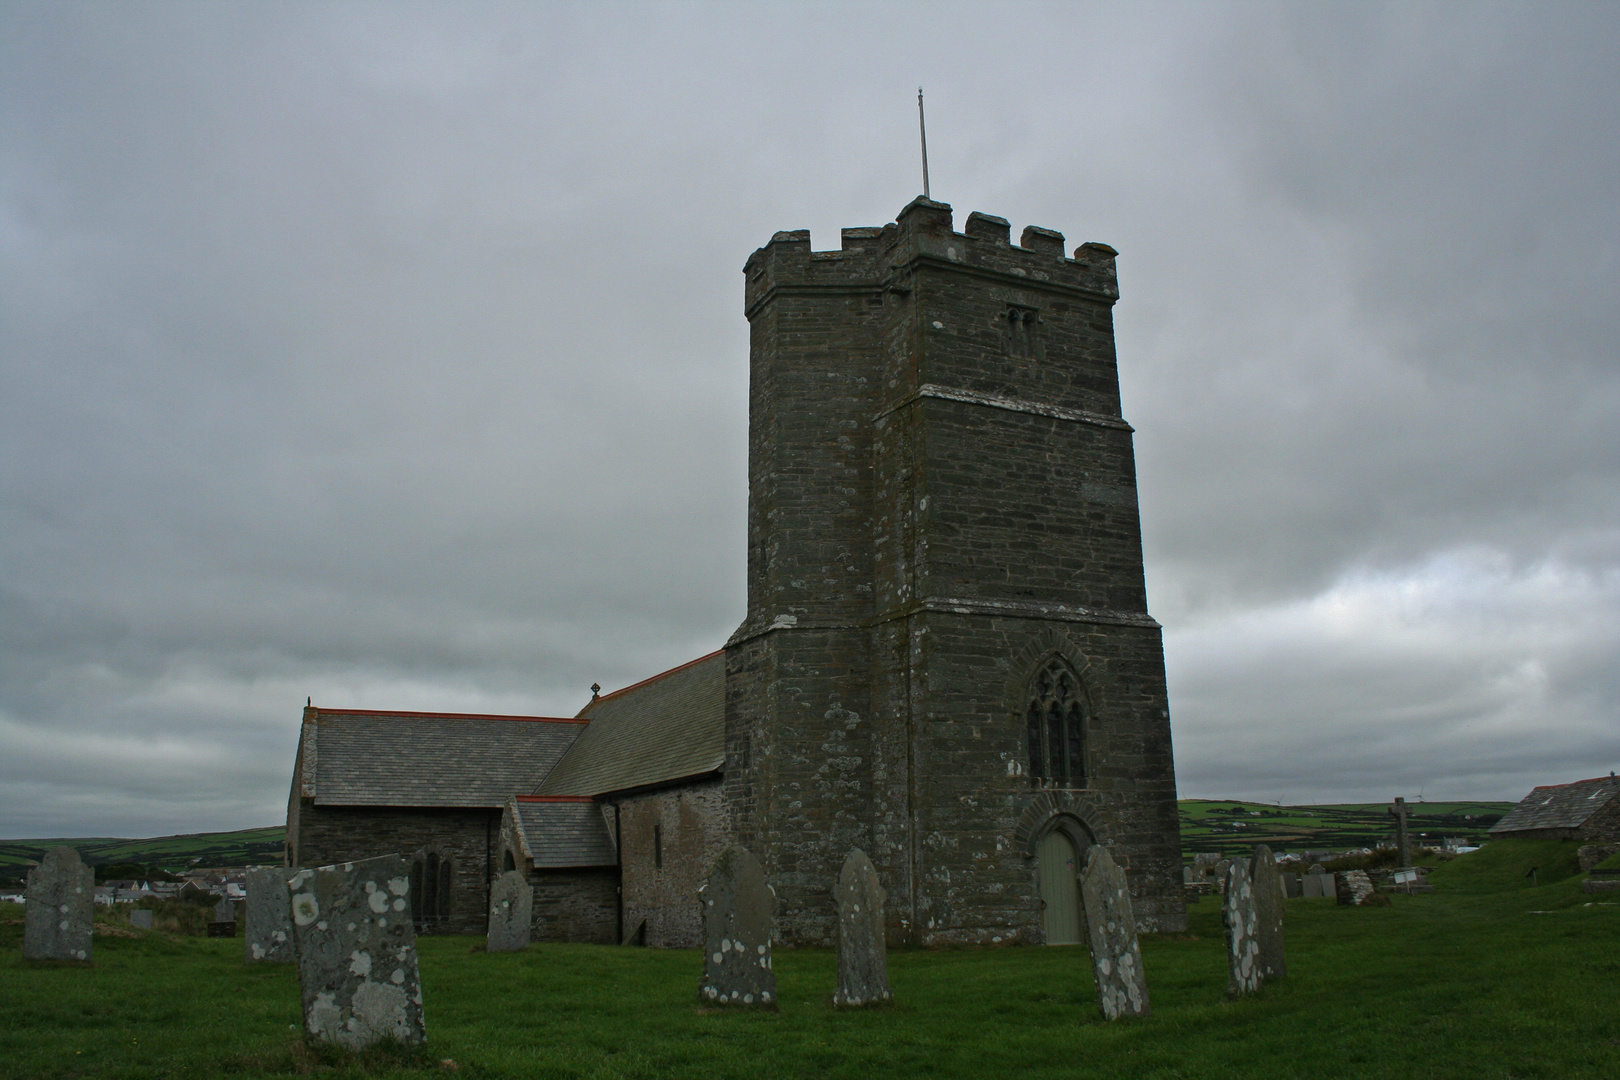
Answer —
(1587, 810)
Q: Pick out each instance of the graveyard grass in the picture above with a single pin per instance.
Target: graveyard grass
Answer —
(1487, 977)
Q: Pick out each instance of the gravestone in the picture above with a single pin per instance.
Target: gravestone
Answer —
(1242, 931)
(863, 961)
(511, 910)
(1221, 869)
(1187, 877)
(1268, 913)
(1293, 886)
(1116, 958)
(1315, 868)
(1317, 886)
(1403, 844)
(61, 899)
(1353, 887)
(224, 924)
(141, 920)
(357, 968)
(739, 918)
(267, 934)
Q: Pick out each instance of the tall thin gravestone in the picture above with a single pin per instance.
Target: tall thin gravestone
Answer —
(863, 961)
(357, 953)
(1268, 915)
(1242, 931)
(61, 898)
(1116, 957)
(511, 910)
(267, 933)
(739, 918)
(1403, 843)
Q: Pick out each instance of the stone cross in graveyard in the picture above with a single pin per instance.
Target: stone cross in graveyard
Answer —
(267, 934)
(863, 962)
(739, 920)
(1268, 914)
(1242, 924)
(511, 910)
(61, 899)
(1403, 845)
(1116, 957)
(357, 968)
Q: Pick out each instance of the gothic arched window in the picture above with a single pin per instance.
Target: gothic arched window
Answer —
(1056, 723)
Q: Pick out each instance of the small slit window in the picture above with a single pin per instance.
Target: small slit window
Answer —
(1022, 331)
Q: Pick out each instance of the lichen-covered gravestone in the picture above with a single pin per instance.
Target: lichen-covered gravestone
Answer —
(1242, 931)
(1116, 958)
(863, 961)
(268, 934)
(61, 900)
(739, 918)
(141, 920)
(357, 953)
(511, 909)
(1268, 913)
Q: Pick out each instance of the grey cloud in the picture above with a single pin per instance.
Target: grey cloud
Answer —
(394, 355)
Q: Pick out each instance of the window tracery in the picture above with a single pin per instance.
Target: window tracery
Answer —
(1055, 724)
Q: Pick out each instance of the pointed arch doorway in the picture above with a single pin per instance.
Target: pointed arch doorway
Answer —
(1060, 888)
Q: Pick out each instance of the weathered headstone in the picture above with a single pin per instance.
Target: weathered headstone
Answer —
(511, 910)
(1268, 914)
(1242, 931)
(739, 918)
(1293, 886)
(1221, 870)
(1353, 887)
(61, 899)
(1116, 958)
(357, 953)
(141, 920)
(1319, 885)
(268, 931)
(224, 924)
(863, 961)
(1315, 868)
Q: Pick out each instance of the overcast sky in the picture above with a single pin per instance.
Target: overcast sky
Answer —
(394, 355)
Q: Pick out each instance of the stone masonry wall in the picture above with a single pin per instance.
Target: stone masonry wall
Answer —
(694, 829)
(941, 497)
(334, 834)
(580, 905)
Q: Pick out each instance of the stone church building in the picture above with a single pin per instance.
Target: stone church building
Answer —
(947, 658)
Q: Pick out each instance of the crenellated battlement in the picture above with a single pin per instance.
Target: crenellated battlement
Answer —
(871, 258)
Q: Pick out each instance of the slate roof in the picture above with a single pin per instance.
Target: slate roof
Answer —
(1559, 806)
(556, 833)
(362, 758)
(666, 728)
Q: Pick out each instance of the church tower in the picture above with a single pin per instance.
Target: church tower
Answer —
(947, 659)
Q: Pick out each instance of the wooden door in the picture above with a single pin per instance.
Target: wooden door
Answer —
(1060, 890)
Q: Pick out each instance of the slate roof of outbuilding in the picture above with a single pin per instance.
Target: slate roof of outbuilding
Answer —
(669, 727)
(1559, 806)
(558, 833)
(367, 758)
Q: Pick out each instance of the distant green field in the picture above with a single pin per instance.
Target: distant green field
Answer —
(1223, 825)
(172, 853)
(1487, 977)
(1230, 827)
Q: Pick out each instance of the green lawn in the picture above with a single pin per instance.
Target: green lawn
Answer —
(1486, 978)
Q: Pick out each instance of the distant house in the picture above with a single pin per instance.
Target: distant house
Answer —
(1586, 810)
